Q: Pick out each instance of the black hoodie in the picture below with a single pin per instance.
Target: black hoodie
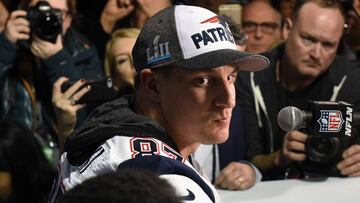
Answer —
(108, 120)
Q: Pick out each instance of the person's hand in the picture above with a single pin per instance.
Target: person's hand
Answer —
(44, 49)
(114, 11)
(294, 146)
(64, 104)
(236, 176)
(150, 8)
(350, 166)
(17, 27)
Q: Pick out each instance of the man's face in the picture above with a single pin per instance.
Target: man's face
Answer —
(313, 39)
(197, 105)
(262, 28)
(62, 6)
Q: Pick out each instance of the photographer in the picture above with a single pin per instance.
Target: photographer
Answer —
(29, 65)
(304, 68)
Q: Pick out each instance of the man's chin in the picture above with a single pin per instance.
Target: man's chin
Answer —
(219, 138)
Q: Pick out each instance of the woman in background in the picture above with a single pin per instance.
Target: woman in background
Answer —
(118, 61)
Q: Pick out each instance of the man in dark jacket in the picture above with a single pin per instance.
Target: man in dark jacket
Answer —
(304, 68)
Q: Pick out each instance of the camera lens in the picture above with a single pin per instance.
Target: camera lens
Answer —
(45, 21)
(49, 25)
(321, 149)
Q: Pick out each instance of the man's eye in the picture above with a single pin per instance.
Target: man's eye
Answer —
(202, 81)
(231, 78)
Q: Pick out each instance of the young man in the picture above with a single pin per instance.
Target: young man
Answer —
(187, 63)
(304, 68)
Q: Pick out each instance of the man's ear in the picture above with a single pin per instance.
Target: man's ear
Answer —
(288, 25)
(149, 83)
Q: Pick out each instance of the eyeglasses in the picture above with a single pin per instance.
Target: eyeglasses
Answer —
(62, 12)
(267, 27)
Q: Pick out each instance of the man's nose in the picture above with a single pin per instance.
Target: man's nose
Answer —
(258, 33)
(315, 52)
(225, 95)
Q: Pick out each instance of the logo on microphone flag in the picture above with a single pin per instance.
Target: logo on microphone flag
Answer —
(330, 121)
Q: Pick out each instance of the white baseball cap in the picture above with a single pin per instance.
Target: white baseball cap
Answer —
(190, 37)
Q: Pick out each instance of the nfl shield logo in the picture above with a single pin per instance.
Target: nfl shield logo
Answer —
(330, 121)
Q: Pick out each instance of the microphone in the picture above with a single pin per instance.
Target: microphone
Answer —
(329, 126)
(291, 118)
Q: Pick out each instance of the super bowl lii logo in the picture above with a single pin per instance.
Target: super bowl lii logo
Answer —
(158, 52)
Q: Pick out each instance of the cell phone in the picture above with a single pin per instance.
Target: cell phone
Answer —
(102, 90)
(232, 11)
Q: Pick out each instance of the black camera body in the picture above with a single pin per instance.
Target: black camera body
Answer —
(330, 133)
(45, 21)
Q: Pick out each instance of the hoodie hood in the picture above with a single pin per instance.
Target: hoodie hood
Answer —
(109, 120)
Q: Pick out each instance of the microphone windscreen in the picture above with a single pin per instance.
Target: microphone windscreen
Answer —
(290, 118)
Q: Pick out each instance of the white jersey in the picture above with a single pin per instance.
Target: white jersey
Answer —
(138, 152)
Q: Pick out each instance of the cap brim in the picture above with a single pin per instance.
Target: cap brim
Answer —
(244, 61)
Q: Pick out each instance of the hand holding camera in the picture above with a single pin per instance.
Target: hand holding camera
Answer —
(44, 49)
(294, 145)
(39, 28)
(17, 27)
(327, 132)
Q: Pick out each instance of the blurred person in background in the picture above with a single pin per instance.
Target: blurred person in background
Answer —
(262, 24)
(304, 68)
(286, 7)
(122, 186)
(121, 14)
(118, 60)
(351, 40)
(25, 173)
(118, 65)
(29, 65)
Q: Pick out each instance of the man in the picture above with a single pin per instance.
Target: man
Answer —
(304, 68)
(186, 60)
(224, 163)
(262, 28)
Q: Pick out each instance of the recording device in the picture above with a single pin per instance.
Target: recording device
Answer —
(102, 90)
(45, 21)
(330, 126)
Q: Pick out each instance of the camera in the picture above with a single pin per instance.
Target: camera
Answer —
(330, 132)
(45, 21)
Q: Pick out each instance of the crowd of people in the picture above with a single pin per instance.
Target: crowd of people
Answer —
(195, 99)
